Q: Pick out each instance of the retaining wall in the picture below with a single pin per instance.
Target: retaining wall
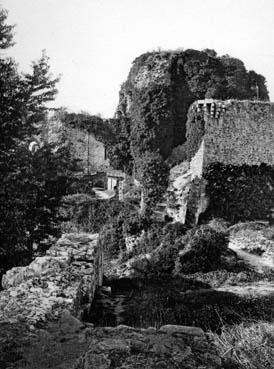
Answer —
(64, 279)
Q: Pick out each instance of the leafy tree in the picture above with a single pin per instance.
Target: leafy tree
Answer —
(6, 34)
(118, 150)
(153, 175)
(31, 184)
(236, 78)
(257, 85)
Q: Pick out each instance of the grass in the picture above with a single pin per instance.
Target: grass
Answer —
(247, 346)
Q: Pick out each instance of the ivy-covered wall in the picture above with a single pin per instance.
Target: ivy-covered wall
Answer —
(243, 134)
(239, 193)
(155, 98)
(230, 147)
(86, 135)
(161, 86)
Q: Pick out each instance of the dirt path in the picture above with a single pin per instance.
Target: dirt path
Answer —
(259, 263)
(103, 194)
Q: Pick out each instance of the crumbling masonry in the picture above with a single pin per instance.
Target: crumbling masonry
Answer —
(237, 134)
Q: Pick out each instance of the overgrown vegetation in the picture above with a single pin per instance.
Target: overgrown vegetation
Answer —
(202, 249)
(240, 193)
(197, 250)
(31, 184)
(194, 134)
(118, 151)
(90, 123)
(85, 213)
(164, 249)
(154, 102)
(247, 346)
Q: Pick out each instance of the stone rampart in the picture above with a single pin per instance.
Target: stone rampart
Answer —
(64, 279)
(238, 132)
(85, 147)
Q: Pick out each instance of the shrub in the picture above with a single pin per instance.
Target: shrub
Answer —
(163, 260)
(134, 224)
(173, 232)
(218, 224)
(83, 212)
(158, 264)
(151, 239)
(112, 240)
(161, 242)
(123, 220)
(201, 250)
(88, 214)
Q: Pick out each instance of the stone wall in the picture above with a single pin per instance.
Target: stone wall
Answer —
(85, 147)
(197, 162)
(243, 134)
(237, 134)
(64, 279)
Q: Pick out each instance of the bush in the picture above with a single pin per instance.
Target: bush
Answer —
(173, 232)
(123, 220)
(83, 213)
(88, 214)
(112, 240)
(163, 259)
(201, 250)
(161, 243)
(134, 224)
(159, 264)
(218, 224)
(150, 240)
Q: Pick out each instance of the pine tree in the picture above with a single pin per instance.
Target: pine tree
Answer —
(31, 183)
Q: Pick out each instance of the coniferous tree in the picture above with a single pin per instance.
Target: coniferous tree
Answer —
(31, 183)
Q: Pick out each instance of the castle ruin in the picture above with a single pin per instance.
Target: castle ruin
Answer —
(238, 137)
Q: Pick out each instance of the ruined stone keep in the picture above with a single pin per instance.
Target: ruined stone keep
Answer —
(232, 170)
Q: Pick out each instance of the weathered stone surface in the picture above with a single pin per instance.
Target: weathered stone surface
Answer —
(84, 146)
(122, 347)
(61, 280)
(175, 329)
(236, 133)
(243, 134)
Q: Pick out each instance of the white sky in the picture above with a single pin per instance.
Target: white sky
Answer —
(93, 42)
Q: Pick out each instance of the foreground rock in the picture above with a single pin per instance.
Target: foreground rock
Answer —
(130, 348)
(64, 279)
(66, 344)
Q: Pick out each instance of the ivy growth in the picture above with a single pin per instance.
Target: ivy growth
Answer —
(240, 193)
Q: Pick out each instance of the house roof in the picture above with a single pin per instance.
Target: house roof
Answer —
(116, 173)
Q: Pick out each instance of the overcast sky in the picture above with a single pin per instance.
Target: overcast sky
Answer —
(93, 42)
